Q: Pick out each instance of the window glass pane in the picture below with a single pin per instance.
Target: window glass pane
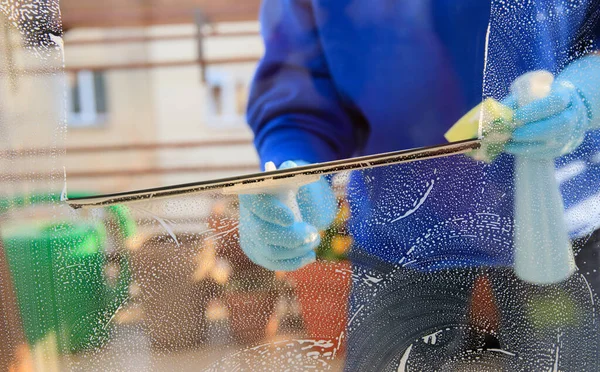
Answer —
(100, 91)
(417, 188)
(74, 96)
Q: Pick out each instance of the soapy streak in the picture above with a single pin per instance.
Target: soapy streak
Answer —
(63, 194)
(328, 354)
(570, 171)
(260, 350)
(355, 314)
(404, 360)
(115, 313)
(419, 204)
(163, 223)
(557, 355)
(408, 263)
(222, 233)
(502, 351)
(485, 67)
(591, 297)
(69, 267)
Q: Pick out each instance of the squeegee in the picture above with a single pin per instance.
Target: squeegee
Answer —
(277, 179)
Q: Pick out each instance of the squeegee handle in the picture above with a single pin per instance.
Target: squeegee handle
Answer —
(287, 195)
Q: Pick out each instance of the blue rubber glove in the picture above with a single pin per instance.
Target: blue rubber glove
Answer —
(556, 125)
(269, 234)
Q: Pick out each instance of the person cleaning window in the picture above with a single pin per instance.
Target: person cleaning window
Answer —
(343, 78)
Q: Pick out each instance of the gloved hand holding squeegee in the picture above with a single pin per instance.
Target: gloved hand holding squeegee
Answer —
(279, 227)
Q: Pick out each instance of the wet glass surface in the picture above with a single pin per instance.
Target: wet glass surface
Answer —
(443, 264)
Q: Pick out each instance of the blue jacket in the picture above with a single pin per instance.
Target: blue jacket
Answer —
(341, 78)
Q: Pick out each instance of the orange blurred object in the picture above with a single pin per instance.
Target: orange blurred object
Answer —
(323, 290)
(23, 361)
(483, 310)
(249, 314)
(340, 244)
(343, 212)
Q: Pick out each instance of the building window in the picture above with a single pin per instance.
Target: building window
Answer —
(227, 95)
(87, 99)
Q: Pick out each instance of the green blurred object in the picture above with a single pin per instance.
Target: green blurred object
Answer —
(336, 240)
(58, 270)
(120, 212)
(554, 309)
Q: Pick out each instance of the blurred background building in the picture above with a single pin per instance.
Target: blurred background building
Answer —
(157, 91)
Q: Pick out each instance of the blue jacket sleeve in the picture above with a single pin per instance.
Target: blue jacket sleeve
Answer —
(294, 109)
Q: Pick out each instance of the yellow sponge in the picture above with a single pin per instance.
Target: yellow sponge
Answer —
(496, 121)
(467, 127)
